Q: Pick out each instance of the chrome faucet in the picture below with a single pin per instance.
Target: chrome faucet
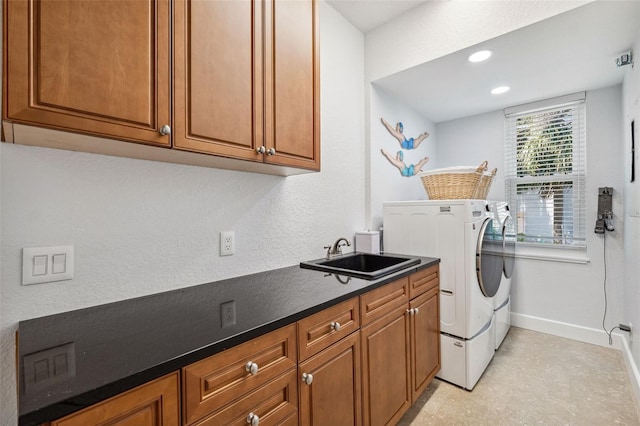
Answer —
(336, 248)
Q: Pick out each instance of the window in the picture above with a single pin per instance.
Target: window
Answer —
(545, 170)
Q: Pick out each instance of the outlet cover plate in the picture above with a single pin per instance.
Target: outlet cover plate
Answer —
(227, 243)
(228, 313)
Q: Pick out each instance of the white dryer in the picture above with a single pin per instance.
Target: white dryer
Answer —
(459, 232)
(505, 228)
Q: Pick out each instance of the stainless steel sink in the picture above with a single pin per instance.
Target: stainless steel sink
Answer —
(362, 265)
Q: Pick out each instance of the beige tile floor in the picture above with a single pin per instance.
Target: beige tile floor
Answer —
(536, 379)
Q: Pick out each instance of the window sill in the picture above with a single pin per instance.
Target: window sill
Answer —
(565, 255)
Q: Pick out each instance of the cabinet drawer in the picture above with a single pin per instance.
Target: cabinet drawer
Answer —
(321, 330)
(275, 403)
(424, 280)
(215, 381)
(379, 302)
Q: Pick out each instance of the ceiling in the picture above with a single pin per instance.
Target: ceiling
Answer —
(365, 15)
(571, 52)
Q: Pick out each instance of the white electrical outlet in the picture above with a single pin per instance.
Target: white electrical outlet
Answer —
(227, 243)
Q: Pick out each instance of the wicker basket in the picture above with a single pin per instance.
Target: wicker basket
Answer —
(484, 184)
(453, 182)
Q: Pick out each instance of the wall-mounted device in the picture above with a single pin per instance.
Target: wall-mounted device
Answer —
(625, 59)
(605, 214)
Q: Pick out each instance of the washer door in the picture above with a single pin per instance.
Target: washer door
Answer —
(489, 258)
(509, 239)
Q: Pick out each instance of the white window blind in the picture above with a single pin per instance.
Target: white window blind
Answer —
(545, 149)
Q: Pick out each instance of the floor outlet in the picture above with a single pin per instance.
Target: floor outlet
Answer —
(227, 243)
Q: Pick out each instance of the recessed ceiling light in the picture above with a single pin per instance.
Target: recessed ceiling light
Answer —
(500, 90)
(480, 56)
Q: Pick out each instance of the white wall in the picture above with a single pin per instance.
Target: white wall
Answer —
(438, 28)
(472, 140)
(386, 183)
(550, 290)
(141, 227)
(631, 111)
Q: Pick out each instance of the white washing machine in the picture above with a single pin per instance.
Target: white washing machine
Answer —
(505, 227)
(459, 232)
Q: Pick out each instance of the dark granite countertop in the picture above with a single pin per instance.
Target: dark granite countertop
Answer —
(118, 346)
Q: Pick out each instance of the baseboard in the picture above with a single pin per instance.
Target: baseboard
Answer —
(566, 330)
(632, 368)
(586, 335)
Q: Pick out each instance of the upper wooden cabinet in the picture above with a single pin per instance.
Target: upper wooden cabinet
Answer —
(87, 66)
(292, 94)
(247, 80)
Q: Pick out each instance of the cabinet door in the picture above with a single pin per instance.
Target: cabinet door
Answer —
(292, 79)
(218, 77)
(95, 67)
(334, 395)
(152, 404)
(425, 341)
(385, 363)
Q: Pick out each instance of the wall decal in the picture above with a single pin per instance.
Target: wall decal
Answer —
(411, 143)
(397, 133)
(405, 170)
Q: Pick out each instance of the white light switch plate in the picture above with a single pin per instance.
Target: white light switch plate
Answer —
(38, 264)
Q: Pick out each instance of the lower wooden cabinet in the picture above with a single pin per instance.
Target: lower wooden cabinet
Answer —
(215, 382)
(153, 404)
(401, 350)
(363, 361)
(274, 404)
(425, 340)
(386, 386)
(329, 384)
